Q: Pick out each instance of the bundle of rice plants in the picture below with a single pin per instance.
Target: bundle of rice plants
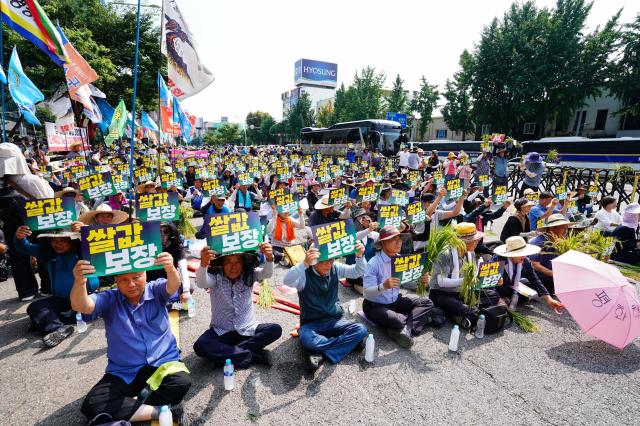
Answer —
(184, 223)
(524, 322)
(468, 293)
(440, 240)
(266, 297)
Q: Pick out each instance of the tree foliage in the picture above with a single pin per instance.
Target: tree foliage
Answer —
(457, 112)
(397, 100)
(625, 78)
(229, 133)
(424, 102)
(300, 116)
(262, 123)
(105, 37)
(325, 113)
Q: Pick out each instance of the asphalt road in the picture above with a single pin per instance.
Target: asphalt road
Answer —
(557, 376)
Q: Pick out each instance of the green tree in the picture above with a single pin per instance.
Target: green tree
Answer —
(424, 102)
(229, 133)
(457, 112)
(339, 106)
(364, 96)
(625, 79)
(210, 137)
(325, 114)
(301, 115)
(266, 126)
(539, 65)
(256, 119)
(104, 36)
(397, 100)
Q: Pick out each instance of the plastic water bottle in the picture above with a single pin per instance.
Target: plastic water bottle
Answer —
(480, 327)
(453, 340)
(352, 307)
(81, 325)
(513, 305)
(229, 375)
(166, 418)
(370, 348)
(191, 307)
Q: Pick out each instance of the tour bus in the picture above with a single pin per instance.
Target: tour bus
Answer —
(382, 134)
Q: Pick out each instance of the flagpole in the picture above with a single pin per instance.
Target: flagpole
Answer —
(133, 110)
(4, 133)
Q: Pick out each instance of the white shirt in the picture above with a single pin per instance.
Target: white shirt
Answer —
(404, 159)
(607, 221)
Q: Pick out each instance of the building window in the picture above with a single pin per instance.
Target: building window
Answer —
(441, 134)
(529, 128)
(601, 119)
(485, 129)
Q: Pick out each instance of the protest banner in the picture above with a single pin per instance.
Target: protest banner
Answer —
(399, 197)
(122, 248)
(245, 179)
(533, 197)
(255, 171)
(367, 193)
(338, 196)
(284, 173)
(593, 191)
(500, 194)
(167, 180)
(454, 189)
(390, 215)
(120, 182)
(489, 274)
(336, 171)
(97, 185)
(142, 175)
(61, 141)
(233, 232)
(572, 207)
(79, 171)
(416, 213)
(285, 201)
(214, 187)
(561, 192)
(414, 177)
(438, 179)
(407, 268)
(323, 176)
(49, 213)
(541, 223)
(121, 168)
(163, 206)
(484, 180)
(202, 173)
(336, 239)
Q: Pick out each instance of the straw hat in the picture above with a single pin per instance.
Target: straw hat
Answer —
(75, 145)
(516, 246)
(557, 219)
(451, 156)
(322, 203)
(66, 190)
(59, 233)
(142, 186)
(468, 232)
(88, 218)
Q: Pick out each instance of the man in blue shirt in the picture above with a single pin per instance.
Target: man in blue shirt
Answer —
(547, 205)
(139, 341)
(402, 316)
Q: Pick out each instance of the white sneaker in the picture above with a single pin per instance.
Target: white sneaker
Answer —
(27, 299)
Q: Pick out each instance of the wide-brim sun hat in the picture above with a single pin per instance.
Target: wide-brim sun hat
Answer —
(557, 219)
(142, 186)
(249, 259)
(633, 208)
(88, 218)
(516, 246)
(59, 233)
(533, 157)
(66, 190)
(467, 231)
(322, 204)
(12, 161)
(386, 233)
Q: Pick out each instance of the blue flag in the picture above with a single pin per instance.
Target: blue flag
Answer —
(147, 122)
(3, 78)
(180, 117)
(24, 93)
(107, 114)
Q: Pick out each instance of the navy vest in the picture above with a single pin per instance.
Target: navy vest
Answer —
(319, 298)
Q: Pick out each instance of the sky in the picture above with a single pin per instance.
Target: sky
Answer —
(251, 45)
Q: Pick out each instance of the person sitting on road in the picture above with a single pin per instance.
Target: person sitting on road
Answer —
(403, 317)
(556, 226)
(518, 223)
(144, 371)
(215, 205)
(608, 217)
(533, 168)
(172, 243)
(323, 332)
(234, 332)
(312, 194)
(519, 270)
(325, 213)
(243, 197)
(547, 205)
(281, 230)
(446, 280)
(627, 251)
(102, 215)
(52, 316)
(195, 194)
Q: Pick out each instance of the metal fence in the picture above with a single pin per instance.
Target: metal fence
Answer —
(615, 183)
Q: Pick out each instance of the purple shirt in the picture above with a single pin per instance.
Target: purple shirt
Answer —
(136, 336)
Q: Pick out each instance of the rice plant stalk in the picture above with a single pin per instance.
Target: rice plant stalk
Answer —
(184, 222)
(468, 293)
(266, 297)
(524, 322)
(440, 240)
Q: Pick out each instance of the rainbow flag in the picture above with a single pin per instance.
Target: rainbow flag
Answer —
(29, 20)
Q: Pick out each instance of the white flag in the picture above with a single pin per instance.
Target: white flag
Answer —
(186, 73)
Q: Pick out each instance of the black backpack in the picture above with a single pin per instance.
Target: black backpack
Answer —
(495, 317)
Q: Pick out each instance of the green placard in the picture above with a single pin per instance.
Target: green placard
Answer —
(454, 189)
(533, 197)
(245, 179)
(214, 187)
(233, 232)
(390, 215)
(338, 196)
(489, 274)
(408, 268)
(399, 197)
(500, 194)
(561, 192)
(97, 185)
(167, 180)
(367, 193)
(163, 206)
(416, 213)
(336, 239)
(49, 213)
(143, 174)
(285, 201)
(122, 248)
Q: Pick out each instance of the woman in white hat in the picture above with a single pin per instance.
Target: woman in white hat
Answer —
(103, 215)
(519, 270)
(326, 213)
(70, 192)
(627, 251)
(555, 227)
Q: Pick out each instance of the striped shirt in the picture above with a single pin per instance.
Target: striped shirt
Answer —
(232, 302)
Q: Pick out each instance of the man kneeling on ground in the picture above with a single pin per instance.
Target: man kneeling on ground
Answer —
(323, 331)
(235, 333)
(143, 370)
